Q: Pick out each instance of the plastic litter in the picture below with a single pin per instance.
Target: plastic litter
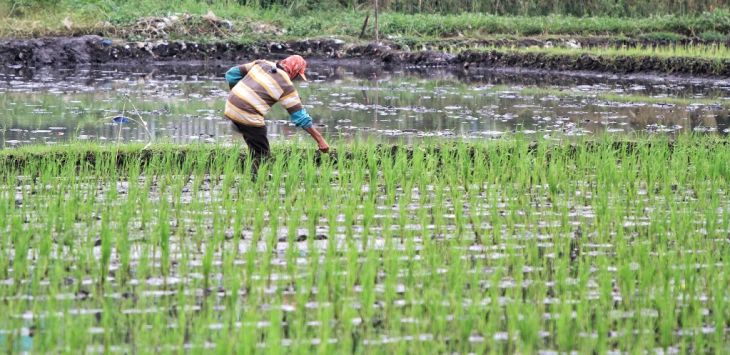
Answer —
(120, 119)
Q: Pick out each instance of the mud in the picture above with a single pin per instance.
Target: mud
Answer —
(91, 49)
(64, 52)
(551, 41)
(619, 64)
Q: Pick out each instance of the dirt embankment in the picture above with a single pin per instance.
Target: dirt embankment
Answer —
(65, 52)
(588, 62)
(97, 50)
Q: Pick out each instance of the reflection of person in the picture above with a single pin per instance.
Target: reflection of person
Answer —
(258, 85)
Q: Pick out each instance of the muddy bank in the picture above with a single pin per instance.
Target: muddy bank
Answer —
(449, 44)
(65, 52)
(90, 50)
(589, 62)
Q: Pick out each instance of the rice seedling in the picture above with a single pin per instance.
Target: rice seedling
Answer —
(717, 52)
(506, 246)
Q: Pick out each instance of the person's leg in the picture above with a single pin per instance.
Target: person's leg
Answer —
(257, 142)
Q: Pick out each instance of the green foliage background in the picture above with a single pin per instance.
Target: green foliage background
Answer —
(617, 8)
(400, 19)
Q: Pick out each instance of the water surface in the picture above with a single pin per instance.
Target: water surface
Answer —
(348, 102)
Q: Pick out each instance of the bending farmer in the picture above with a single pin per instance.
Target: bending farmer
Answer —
(257, 86)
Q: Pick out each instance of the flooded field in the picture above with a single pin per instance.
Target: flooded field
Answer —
(185, 105)
(468, 248)
(525, 244)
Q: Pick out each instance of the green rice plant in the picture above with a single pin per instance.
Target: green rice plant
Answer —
(713, 36)
(505, 246)
(662, 37)
(717, 52)
(106, 247)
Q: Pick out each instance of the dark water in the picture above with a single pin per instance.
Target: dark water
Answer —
(185, 103)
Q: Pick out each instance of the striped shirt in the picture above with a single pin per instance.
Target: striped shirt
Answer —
(262, 85)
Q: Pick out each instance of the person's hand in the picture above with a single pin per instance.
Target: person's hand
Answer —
(321, 142)
(323, 147)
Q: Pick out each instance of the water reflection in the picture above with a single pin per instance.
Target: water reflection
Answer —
(184, 104)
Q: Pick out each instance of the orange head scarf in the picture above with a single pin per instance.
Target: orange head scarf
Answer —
(294, 66)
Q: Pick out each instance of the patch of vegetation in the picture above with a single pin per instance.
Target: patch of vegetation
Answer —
(718, 52)
(663, 37)
(620, 8)
(504, 246)
(299, 19)
(714, 36)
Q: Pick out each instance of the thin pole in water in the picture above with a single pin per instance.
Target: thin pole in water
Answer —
(377, 28)
(364, 25)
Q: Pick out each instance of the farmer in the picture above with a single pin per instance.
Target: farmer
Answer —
(258, 85)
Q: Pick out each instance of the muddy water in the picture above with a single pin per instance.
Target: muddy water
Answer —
(349, 102)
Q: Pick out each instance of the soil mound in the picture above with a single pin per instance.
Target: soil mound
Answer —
(90, 49)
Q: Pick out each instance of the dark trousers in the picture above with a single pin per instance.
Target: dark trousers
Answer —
(258, 144)
(255, 137)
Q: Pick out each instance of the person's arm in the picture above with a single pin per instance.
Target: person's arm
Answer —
(235, 74)
(299, 116)
(302, 119)
(321, 143)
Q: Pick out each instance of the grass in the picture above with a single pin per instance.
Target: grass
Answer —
(110, 18)
(695, 51)
(442, 247)
(513, 7)
(691, 59)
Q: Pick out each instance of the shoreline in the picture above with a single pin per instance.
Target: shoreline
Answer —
(58, 52)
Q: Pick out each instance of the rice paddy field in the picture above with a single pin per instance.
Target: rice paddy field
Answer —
(506, 246)
(489, 213)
